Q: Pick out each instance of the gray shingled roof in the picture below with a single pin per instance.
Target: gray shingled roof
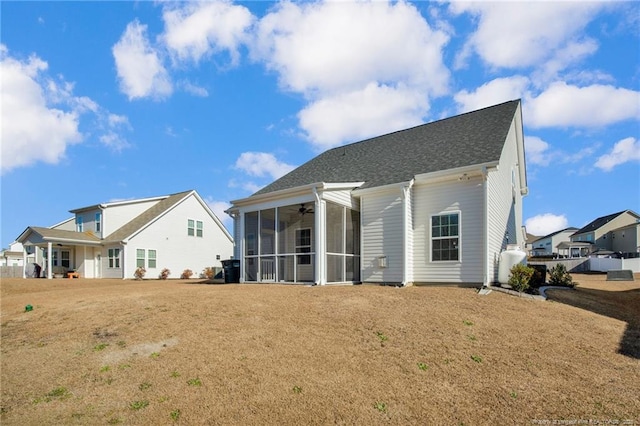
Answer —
(145, 217)
(59, 234)
(473, 138)
(600, 222)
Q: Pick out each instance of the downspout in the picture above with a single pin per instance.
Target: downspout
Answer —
(485, 233)
(406, 194)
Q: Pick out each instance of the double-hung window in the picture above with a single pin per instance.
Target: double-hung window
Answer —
(149, 259)
(445, 237)
(114, 258)
(303, 245)
(98, 222)
(79, 226)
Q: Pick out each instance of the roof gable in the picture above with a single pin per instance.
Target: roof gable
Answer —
(601, 221)
(472, 138)
(149, 215)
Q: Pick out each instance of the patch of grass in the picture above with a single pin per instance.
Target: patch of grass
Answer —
(104, 368)
(383, 338)
(124, 366)
(175, 415)
(138, 405)
(380, 406)
(422, 366)
(476, 358)
(175, 374)
(121, 344)
(194, 382)
(297, 389)
(513, 395)
(58, 393)
(471, 337)
(144, 386)
(114, 421)
(467, 322)
(447, 361)
(155, 355)
(100, 347)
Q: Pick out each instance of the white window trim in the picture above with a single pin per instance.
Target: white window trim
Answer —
(79, 224)
(431, 237)
(118, 258)
(98, 222)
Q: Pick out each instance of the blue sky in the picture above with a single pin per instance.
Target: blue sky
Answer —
(105, 101)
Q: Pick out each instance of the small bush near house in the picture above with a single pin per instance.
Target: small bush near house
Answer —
(139, 273)
(209, 273)
(186, 274)
(164, 274)
(520, 276)
(558, 275)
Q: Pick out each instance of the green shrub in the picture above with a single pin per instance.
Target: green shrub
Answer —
(520, 276)
(559, 276)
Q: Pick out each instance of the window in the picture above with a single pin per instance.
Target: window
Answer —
(445, 236)
(191, 227)
(98, 221)
(114, 258)
(79, 226)
(64, 259)
(152, 259)
(198, 228)
(303, 245)
(140, 258)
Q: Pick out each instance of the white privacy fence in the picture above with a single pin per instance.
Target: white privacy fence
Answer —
(606, 264)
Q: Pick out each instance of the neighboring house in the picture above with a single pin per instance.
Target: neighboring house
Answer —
(111, 240)
(596, 233)
(528, 246)
(436, 203)
(625, 240)
(548, 245)
(15, 255)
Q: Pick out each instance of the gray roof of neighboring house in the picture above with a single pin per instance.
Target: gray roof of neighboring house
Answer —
(601, 221)
(145, 217)
(59, 234)
(475, 137)
(556, 233)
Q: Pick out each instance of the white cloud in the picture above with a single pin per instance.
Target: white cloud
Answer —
(624, 151)
(360, 114)
(523, 34)
(23, 104)
(544, 224)
(492, 93)
(218, 207)
(337, 54)
(193, 89)
(262, 164)
(139, 66)
(196, 30)
(563, 105)
(536, 151)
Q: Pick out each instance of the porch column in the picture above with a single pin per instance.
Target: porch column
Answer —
(49, 260)
(320, 237)
(24, 262)
(240, 249)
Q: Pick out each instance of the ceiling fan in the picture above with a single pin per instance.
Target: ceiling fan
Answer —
(303, 210)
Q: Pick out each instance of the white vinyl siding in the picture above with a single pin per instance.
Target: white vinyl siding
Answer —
(342, 197)
(382, 236)
(504, 205)
(116, 216)
(176, 250)
(466, 198)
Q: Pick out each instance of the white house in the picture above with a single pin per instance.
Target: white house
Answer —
(111, 240)
(436, 203)
(548, 245)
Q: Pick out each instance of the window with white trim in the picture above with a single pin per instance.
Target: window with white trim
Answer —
(199, 228)
(79, 225)
(303, 245)
(140, 258)
(445, 237)
(114, 258)
(98, 222)
(191, 227)
(151, 259)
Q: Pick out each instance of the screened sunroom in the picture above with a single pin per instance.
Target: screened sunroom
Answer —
(315, 242)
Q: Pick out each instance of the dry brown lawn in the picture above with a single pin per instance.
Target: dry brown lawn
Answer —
(159, 352)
